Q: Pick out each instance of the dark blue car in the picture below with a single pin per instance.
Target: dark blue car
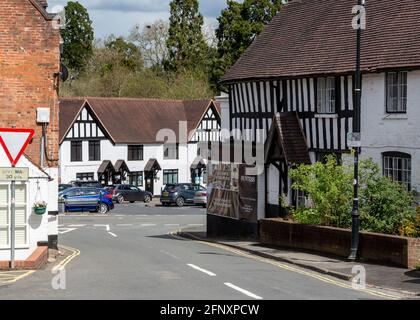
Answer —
(86, 199)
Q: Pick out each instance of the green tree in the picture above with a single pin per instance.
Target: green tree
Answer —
(77, 36)
(239, 24)
(186, 45)
(130, 56)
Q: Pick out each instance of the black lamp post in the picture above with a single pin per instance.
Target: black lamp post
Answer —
(356, 150)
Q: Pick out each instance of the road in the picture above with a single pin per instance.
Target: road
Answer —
(131, 254)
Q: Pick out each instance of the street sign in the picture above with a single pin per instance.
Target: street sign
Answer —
(354, 140)
(14, 142)
(14, 174)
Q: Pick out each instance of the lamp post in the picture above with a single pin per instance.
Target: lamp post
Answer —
(355, 215)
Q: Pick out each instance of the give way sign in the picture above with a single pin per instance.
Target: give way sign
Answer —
(14, 142)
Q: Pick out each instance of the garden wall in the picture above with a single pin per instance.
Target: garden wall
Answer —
(387, 249)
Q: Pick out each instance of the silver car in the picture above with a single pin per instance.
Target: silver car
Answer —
(200, 198)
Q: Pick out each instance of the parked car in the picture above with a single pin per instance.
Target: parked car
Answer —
(86, 184)
(132, 194)
(200, 198)
(63, 187)
(86, 199)
(179, 194)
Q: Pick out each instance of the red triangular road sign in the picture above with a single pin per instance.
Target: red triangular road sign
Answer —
(14, 142)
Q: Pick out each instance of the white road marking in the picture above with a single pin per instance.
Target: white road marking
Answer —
(172, 225)
(245, 292)
(103, 225)
(124, 225)
(66, 230)
(211, 274)
(77, 226)
(148, 225)
(196, 225)
(113, 234)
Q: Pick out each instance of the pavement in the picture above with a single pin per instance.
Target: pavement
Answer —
(135, 253)
(377, 276)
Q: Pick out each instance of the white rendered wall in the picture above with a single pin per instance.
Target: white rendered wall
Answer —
(382, 132)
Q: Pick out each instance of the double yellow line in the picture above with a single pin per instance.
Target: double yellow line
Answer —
(66, 261)
(288, 267)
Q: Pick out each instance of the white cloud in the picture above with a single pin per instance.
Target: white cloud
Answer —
(118, 16)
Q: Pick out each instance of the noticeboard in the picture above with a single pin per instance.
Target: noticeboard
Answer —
(14, 174)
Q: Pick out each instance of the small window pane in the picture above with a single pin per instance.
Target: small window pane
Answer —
(396, 86)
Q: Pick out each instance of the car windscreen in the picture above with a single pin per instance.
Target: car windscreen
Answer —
(170, 187)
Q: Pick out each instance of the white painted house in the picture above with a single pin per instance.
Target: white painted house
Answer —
(121, 140)
(308, 73)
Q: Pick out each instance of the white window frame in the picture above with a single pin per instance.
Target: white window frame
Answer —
(398, 87)
(394, 170)
(24, 226)
(326, 95)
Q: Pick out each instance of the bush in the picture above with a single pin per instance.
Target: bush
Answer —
(385, 206)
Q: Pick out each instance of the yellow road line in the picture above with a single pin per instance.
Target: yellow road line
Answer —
(66, 261)
(288, 267)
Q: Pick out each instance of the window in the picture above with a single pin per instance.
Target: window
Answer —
(170, 176)
(397, 167)
(322, 157)
(136, 179)
(396, 92)
(326, 95)
(21, 232)
(135, 153)
(94, 150)
(89, 176)
(76, 151)
(171, 151)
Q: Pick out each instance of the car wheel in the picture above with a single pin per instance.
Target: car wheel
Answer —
(120, 199)
(147, 198)
(180, 202)
(132, 201)
(103, 208)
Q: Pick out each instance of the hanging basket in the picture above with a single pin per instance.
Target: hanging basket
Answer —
(40, 211)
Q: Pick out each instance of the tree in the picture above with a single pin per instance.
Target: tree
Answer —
(129, 55)
(239, 24)
(186, 45)
(77, 36)
(151, 41)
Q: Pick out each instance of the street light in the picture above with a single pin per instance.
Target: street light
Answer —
(355, 215)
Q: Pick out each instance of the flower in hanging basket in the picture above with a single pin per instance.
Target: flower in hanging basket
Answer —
(40, 207)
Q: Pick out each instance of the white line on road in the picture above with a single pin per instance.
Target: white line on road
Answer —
(172, 225)
(113, 234)
(171, 255)
(124, 225)
(196, 225)
(148, 225)
(103, 225)
(66, 230)
(211, 274)
(245, 292)
(77, 226)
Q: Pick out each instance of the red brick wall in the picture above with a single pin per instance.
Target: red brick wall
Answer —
(382, 248)
(29, 57)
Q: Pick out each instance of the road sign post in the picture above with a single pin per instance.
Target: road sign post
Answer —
(14, 143)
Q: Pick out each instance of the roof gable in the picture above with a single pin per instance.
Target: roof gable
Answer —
(310, 37)
(41, 6)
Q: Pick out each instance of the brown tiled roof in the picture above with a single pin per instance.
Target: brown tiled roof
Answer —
(286, 134)
(136, 121)
(309, 37)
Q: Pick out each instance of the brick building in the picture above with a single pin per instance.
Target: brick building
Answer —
(29, 79)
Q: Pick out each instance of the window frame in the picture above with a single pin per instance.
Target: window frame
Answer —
(94, 150)
(135, 152)
(83, 174)
(322, 110)
(76, 156)
(408, 170)
(134, 178)
(401, 98)
(166, 147)
(172, 173)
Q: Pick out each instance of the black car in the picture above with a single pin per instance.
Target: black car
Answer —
(179, 194)
(132, 194)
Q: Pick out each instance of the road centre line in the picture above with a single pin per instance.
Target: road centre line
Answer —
(148, 225)
(103, 225)
(125, 225)
(113, 234)
(76, 225)
(245, 292)
(211, 274)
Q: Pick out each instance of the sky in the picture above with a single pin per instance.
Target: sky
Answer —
(119, 16)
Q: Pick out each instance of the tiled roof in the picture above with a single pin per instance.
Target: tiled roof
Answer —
(315, 37)
(136, 121)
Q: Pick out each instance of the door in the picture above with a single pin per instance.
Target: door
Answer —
(189, 192)
(150, 179)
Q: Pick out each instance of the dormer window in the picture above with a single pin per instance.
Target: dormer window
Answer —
(326, 95)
